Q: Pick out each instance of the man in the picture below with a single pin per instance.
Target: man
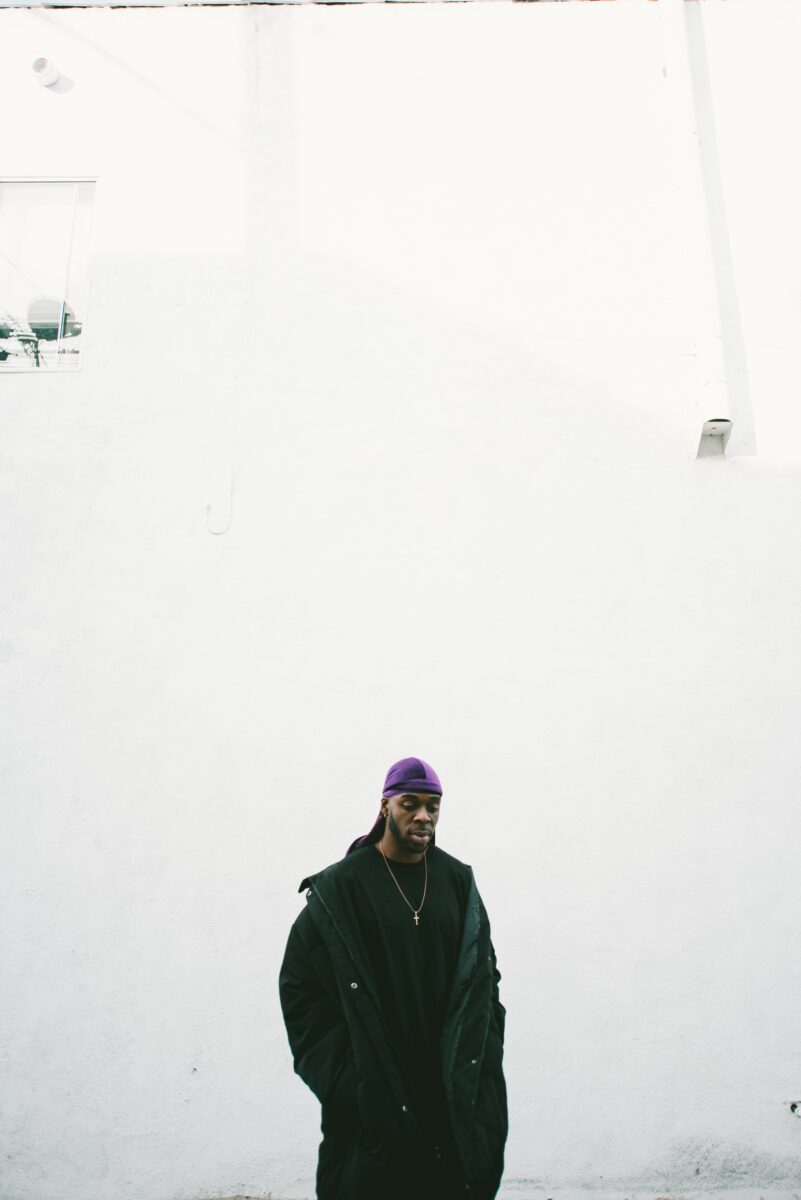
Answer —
(390, 996)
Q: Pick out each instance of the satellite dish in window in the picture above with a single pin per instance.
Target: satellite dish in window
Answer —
(52, 319)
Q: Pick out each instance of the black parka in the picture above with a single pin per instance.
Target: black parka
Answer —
(343, 1051)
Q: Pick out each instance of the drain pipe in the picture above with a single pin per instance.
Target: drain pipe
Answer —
(711, 422)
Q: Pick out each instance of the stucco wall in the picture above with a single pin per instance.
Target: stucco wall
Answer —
(399, 299)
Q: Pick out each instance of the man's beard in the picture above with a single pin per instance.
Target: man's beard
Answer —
(395, 830)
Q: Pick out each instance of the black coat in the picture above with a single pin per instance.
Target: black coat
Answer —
(342, 1050)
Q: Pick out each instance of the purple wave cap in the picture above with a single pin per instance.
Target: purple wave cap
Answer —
(407, 775)
(411, 775)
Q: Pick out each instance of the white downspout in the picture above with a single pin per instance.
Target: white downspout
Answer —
(711, 409)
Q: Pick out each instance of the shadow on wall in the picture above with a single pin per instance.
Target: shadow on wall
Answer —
(367, 364)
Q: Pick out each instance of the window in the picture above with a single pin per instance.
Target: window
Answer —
(44, 262)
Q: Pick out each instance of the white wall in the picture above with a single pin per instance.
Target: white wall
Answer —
(405, 292)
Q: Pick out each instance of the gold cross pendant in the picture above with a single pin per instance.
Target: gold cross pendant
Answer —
(416, 919)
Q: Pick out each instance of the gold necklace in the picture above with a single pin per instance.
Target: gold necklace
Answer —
(415, 911)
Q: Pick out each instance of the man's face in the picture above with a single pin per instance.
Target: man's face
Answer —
(411, 820)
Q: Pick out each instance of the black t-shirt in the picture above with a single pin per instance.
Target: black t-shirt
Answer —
(413, 964)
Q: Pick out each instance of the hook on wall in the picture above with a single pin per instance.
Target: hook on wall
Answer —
(218, 515)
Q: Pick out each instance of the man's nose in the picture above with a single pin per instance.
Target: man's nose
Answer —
(422, 818)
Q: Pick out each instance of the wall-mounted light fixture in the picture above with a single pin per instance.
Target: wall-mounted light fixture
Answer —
(46, 72)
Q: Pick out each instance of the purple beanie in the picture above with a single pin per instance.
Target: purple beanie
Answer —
(407, 775)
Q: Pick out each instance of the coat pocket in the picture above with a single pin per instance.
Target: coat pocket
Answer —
(369, 1172)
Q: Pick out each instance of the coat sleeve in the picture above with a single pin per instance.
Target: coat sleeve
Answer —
(316, 1027)
(498, 1010)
